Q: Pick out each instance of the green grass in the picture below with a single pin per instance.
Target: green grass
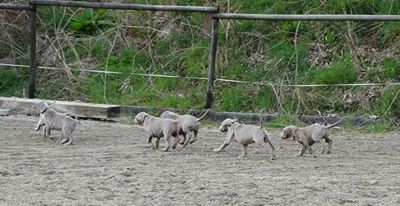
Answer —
(340, 72)
(12, 83)
(283, 121)
(381, 127)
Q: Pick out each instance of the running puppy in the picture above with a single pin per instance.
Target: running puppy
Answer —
(186, 125)
(158, 127)
(245, 135)
(51, 119)
(307, 136)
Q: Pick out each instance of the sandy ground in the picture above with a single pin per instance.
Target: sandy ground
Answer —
(110, 164)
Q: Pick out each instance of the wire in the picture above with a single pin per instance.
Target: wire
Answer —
(216, 80)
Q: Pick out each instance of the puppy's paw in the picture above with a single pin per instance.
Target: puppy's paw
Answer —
(37, 129)
(217, 150)
(273, 157)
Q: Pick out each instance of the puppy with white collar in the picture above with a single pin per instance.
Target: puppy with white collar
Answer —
(52, 120)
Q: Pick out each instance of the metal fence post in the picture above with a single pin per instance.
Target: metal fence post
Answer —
(211, 65)
(33, 66)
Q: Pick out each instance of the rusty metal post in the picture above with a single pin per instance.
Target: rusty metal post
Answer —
(33, 66)
(212, 61)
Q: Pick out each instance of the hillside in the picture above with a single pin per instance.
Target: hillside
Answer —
(172, 43)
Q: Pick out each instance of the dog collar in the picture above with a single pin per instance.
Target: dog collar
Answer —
(44, 110)
(145, 117)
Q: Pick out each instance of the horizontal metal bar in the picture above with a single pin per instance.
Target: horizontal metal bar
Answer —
(96, 5)
(15, 6)
(216, 80)
(307, 17)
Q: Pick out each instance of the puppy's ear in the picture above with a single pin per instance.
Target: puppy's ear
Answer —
(236, 120)
(294, 134)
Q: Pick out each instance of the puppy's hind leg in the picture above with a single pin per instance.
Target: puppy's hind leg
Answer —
(189, 134)
(311, 151)
(167, 142)
(330, 142)
(64, 139)
(264, 142)
(195, 132)
(302, 151)
(176, 141)
(70, 140)
(67, 134)
(182, 141)
(244, 153)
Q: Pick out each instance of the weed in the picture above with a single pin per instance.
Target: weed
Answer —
(89, 21)
(380, 127)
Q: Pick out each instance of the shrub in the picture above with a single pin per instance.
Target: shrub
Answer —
(11, 84)
(89, 22)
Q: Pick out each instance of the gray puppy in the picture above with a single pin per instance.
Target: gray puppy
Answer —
(52, 120)
(307, 136)
(186, 125)
(245, 135)
(158, 127)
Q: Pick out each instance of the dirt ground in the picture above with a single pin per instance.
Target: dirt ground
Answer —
(111, 164)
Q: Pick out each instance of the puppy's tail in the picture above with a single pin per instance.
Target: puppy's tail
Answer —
(261, 119)
(204, 115)
(334, 124)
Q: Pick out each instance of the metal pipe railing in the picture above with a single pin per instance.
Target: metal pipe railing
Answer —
(120, 6)
(307, 17)
(15, 6)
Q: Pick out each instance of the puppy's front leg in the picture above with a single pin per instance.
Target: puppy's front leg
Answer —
(157, 143)
(39, 124)
(229, 138)
(149, 141)
(46, 132)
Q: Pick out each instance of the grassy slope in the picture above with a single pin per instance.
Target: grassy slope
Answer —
(135, 42)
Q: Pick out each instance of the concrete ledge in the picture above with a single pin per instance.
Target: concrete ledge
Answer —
(109, 112)
(80, 109)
